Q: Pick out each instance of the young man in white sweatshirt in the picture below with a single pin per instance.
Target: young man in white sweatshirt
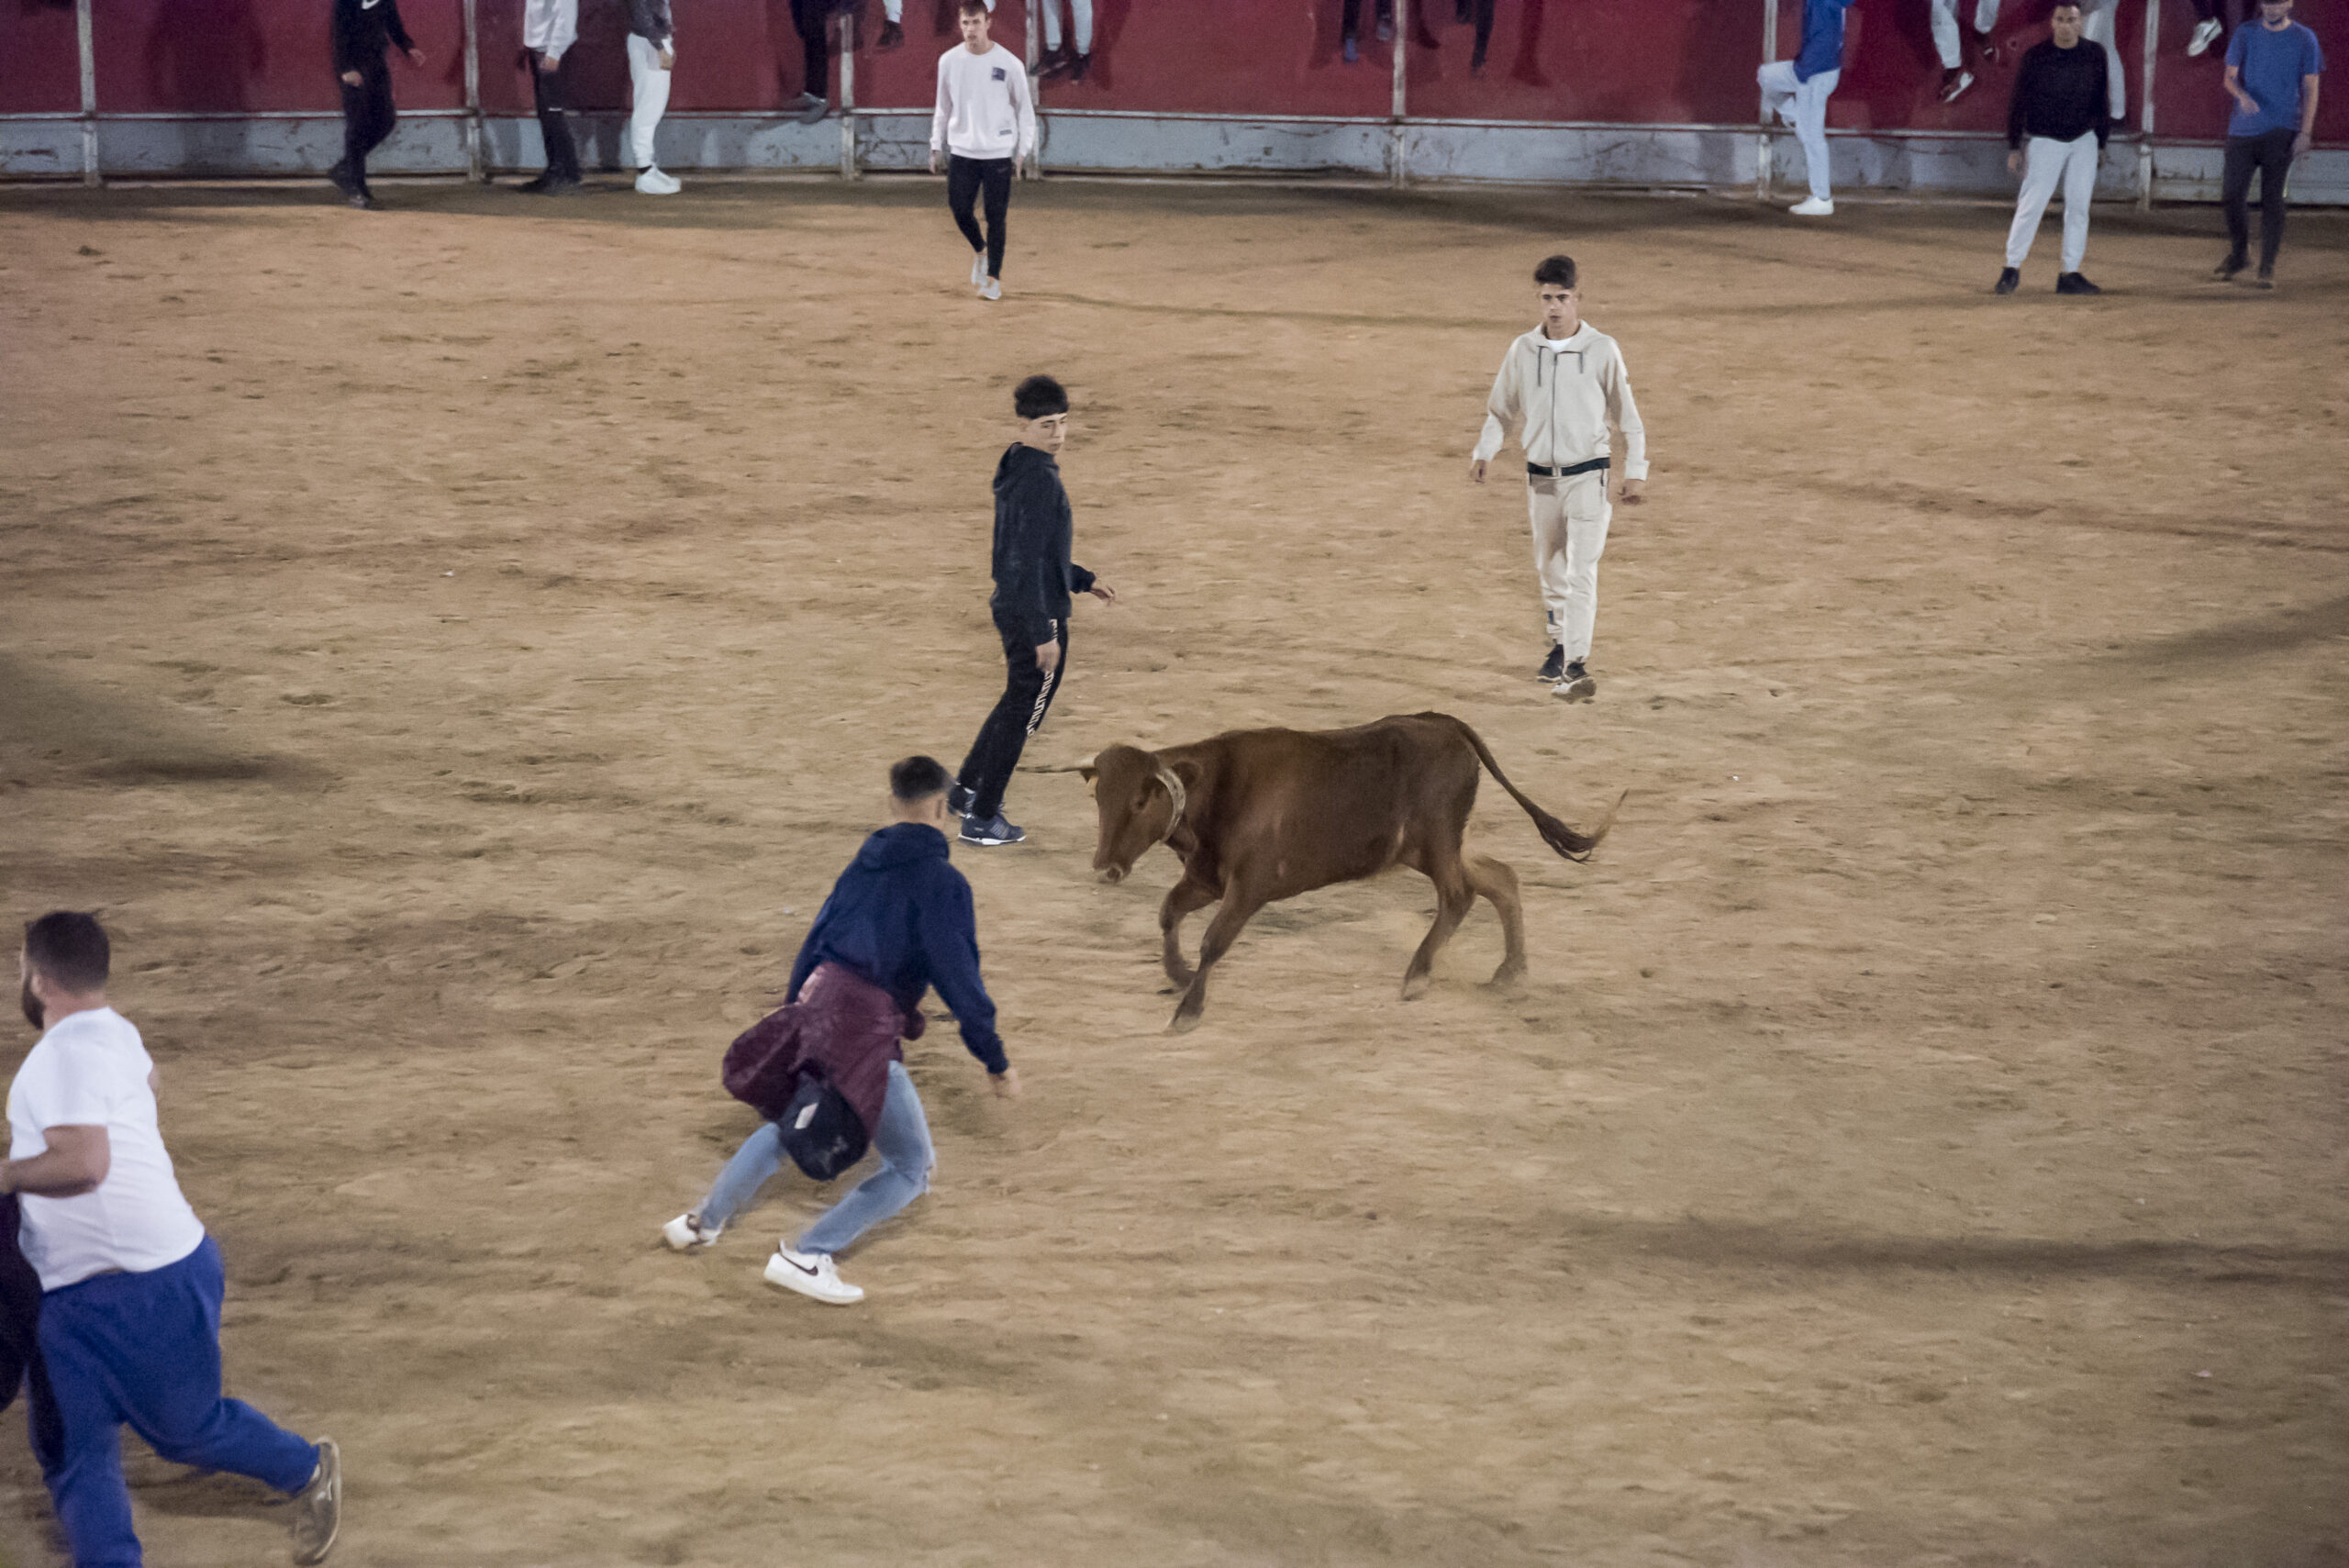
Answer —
(1562, 384)
(549, 29)
(985, 125)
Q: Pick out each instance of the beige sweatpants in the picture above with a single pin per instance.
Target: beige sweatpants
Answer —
(1570, 518)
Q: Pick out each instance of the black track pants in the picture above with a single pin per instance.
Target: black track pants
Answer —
(965, 178)
(554, 126)
(367, 118)
(1026, 697)
(2270, 152)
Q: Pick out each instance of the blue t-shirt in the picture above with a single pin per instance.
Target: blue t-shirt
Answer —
(1822, 38)
(2270, 65)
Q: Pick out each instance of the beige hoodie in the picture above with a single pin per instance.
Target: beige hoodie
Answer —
(1562, 396)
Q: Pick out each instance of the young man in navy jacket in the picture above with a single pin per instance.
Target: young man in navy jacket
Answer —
(1033, 580)
(900, 918)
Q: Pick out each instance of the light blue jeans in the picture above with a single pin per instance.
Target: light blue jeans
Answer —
(907, 1160)
(1802, 104)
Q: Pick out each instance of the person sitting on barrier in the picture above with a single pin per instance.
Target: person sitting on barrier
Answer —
(1796, 90)
(1350, 25)
(1072, 63)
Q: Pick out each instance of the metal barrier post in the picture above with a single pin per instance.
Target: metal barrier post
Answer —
(475, 170)
(1762, 150)
(1397, 174)
(89, 93)
(848, 95)
(2145, 110)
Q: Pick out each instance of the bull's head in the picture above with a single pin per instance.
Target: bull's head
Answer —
(1141, 800)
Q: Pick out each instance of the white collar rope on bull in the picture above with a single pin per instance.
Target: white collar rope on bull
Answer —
(1174, 792)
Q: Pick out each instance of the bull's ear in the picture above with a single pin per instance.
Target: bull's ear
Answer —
(1088, 772)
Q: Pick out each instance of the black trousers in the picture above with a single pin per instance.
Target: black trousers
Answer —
(813, 20)
(367, 118)
(2270, 152)
(1026, 697)
(1349, 16)
(965, 178)
(554, 127)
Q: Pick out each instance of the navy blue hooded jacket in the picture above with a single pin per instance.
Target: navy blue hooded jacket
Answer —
(1033, 575)
(900, 917)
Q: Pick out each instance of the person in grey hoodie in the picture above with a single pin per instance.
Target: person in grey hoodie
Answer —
(1033, 580)
(651, 54)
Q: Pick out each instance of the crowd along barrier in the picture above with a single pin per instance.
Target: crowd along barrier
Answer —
(1619, 93)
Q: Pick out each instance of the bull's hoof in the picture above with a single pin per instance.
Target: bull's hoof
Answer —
(1506, 980)
(1183, 1022)
(1415, 986)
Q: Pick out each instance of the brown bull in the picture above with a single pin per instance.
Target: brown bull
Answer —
(1260, 815)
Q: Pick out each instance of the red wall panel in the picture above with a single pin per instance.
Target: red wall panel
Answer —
(41, 59)
(1631, 62)
(221, 56)
(1892, 77)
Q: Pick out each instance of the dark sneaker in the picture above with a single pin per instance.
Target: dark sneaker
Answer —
(317, 1507)
(341, 176)
(1054, 63)
(1352, 50)
(2266, 280)
(1553, 666)
(998, 831)
(811, 107)
(2225, 272)
(1954, 82)
(2075, 283)
(1082, 63)
(892, 35)
(1574, 671)
(2009, 279)
(363, 200)
(959, 798)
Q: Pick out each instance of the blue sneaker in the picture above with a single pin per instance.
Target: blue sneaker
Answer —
(997, 831)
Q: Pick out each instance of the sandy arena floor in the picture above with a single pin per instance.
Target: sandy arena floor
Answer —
(457, 647)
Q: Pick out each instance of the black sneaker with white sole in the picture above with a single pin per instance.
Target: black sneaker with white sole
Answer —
(997, 831)
(2009, 279)
(959, 798)
(1554, 665)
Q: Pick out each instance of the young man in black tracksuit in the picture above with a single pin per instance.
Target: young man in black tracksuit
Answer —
(361, 31)
(1033, 580)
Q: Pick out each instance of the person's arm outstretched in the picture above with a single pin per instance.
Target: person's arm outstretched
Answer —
(950, 949)
(1500, 411)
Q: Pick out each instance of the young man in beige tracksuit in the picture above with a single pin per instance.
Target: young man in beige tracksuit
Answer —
(1561, 385)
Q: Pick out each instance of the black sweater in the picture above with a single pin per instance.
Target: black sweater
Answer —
(361, 31)
(1033, 575)
(2060, 95)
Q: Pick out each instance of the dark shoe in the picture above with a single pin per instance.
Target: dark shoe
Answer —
(1954, 82)
(341, 176)
(811, 107)
(363, 200)
(1553, 666)
(959, 798)
(1463, 10)
(1475, 63)
(1054, 63)
(2266, 278)
(892, 35)
(1574, 672)
(1352, 50)
(1385, 30)
(2226, 270)
(561, 186)
(2010, 278)
(317, 1507)
(2075, 283)
(1078, 67)
(1988, 46)
(998, 831)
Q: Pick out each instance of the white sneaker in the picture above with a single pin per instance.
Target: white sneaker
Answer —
(2204, 35)
(991, 289)
(685, 1234)
(811, 1273)
(653, 183)
(978, 268)
(1814, 207)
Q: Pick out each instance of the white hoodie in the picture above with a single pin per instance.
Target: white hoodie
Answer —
(983, 110)
(550, 26)
(1560, 395)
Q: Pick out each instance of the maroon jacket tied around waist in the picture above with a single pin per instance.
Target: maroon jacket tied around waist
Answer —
(842, 1027)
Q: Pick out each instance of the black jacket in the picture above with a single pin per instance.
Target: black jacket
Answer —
(2060, 95)
(649, 19)
(361, 31)
(1033, 575)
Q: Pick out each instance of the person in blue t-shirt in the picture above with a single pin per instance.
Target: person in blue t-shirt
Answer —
(2273, 63)
(1797, 90)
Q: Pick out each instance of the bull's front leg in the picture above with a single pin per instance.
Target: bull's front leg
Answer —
(1183, 899)
(1238, 906)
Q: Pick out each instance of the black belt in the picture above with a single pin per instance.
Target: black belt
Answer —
(1535, 470)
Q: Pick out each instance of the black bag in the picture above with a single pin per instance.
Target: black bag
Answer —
(821, 1132)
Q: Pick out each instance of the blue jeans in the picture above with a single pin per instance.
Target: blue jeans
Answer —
(902, 1140)
(145, 1349)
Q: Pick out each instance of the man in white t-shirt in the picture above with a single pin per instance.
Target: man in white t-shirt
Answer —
(985, 123)
(130, 1284)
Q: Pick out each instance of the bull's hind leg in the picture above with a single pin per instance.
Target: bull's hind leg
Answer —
(1238, 908)
(1454, 898)
(1184, 899)
(1498, 884)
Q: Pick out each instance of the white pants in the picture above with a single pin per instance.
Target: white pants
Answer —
(2049, 162)
(1802, 104)
(1080, 9)
(1570, 518)
(1985, 16)
(648, 92)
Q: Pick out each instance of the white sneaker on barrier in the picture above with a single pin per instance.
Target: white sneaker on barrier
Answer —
(811, 1274)
(2204, 35)
(686, 1234)
(1813, 206)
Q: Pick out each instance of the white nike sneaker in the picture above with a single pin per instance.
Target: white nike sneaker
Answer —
(2204, 35)
(686, 1234)
(978, 268)
(812, 1274)
(1813, 206)
(653, 182)
(991, 289)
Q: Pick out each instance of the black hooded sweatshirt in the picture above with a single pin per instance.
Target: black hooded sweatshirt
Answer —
(1033, 575)
(361, 30)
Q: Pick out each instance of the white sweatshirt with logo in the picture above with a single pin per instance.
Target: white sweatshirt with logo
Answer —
(1560, 395)
(983, 110)
(550, 26)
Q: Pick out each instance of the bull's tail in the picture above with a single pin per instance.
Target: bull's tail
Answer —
(1573, 846)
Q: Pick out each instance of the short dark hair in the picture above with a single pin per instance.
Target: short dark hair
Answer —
(972, 8)
(69, 949)
(1037, 396)
(1558, 270)
(917, 778)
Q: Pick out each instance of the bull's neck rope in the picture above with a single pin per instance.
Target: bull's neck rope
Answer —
(1174, 792)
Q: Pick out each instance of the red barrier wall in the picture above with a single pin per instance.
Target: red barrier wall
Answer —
(41, 59)
(1626, 61)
